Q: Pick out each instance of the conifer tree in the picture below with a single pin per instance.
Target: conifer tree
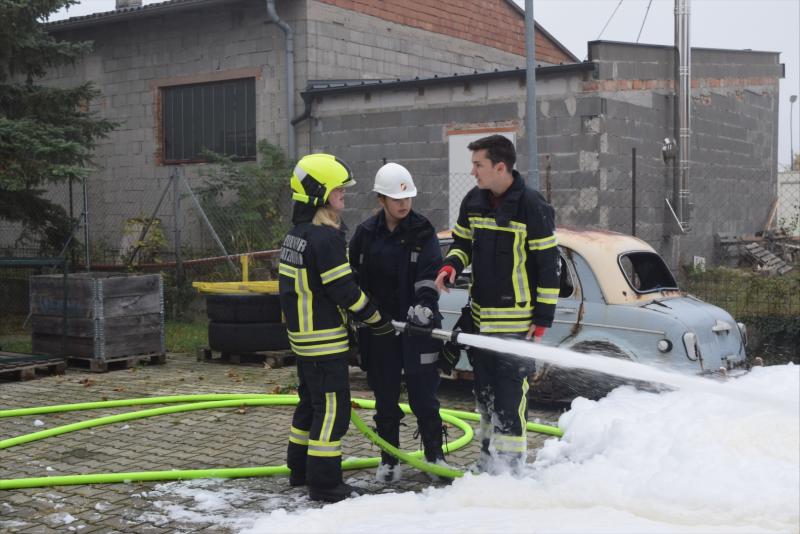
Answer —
(47, 133)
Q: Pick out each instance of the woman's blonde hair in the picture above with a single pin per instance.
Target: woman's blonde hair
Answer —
(325, 215)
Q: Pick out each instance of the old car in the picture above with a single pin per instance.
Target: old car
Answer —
(618, 299)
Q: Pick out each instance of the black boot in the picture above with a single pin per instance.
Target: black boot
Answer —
(334, 494)
(431, 431)
(389, 430)
(297, 479)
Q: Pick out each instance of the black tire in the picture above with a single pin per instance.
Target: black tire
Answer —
(256, 308)
(238, 338)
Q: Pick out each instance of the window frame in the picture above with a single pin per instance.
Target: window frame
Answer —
(249, 115)
(662, 263)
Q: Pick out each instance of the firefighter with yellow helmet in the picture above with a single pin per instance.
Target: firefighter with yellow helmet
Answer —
(317, 291)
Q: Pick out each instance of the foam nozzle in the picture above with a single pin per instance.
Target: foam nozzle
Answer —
(415, 330)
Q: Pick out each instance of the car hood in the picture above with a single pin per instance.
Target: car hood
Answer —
(718, 336)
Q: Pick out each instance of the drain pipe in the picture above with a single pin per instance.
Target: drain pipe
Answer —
(287, 30)
(683, 116)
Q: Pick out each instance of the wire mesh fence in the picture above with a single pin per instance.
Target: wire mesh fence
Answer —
(192, 224)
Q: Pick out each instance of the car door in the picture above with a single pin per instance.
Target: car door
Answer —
(569, 302)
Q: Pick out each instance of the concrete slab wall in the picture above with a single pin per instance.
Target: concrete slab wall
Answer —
(587, 130)
(734, 114)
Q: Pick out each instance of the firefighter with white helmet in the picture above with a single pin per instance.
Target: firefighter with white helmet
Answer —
(316, 284)
(395, 255)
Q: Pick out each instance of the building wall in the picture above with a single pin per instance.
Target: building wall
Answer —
(133, 59)
(734, 122)
(412, 127)
(354, 39)
(588, 127)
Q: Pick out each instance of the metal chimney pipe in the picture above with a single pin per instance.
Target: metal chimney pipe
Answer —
(683, 89)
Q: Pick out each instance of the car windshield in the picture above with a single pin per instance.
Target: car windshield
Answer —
(646, 272)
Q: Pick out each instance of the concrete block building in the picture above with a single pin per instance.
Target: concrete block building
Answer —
(183, 75)
(414, 82)
(590, 116)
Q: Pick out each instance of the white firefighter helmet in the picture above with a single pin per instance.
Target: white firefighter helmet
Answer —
(394, 181)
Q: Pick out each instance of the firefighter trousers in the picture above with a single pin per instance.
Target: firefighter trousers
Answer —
(320, 420)
(422, 381)
(501, 397)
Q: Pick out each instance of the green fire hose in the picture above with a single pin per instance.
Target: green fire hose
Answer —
(209, 401)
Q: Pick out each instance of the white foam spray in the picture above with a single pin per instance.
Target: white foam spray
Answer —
(612, 366)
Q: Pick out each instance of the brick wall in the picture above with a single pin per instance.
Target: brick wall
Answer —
(492, 23)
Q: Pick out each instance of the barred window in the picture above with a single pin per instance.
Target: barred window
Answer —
(218, 116)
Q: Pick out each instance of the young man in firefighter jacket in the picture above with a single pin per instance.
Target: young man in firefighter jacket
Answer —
(395, 255)
(317, 290)
(506, 231)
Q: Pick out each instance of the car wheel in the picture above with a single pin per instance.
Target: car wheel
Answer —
(240, 338)
(256, 308)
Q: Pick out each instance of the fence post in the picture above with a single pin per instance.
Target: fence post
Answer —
(633, 191)
(208, 223)
(86, 249)
(176, 210)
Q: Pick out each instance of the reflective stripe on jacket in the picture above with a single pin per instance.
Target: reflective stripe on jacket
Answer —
(514, 256)
(317, 288)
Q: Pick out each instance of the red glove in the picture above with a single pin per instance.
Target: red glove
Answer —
(447, 269)
(538, 332)
(443, 278)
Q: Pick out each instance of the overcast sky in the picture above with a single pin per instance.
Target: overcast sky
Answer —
(769, 25)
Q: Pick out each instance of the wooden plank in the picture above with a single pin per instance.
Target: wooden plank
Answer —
(46, 304)
(773, 210)
(128, 286)
(25, 366)
(133, 344)
(132, 305)
(122, 294)
(83, 327)
(52, 325)
(101, 366)
(73, 346)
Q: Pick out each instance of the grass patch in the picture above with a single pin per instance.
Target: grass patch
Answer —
(16, 343)
(185, 337)
(13, 336)
(180, 336)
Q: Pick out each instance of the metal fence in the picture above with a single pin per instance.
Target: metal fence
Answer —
(188, 231)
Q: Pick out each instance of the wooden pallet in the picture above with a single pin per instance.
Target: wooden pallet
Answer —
(16, 366)
(272, 358)
(765, 259)
(96, 365)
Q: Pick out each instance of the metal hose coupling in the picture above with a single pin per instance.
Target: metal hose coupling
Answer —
(415, 330)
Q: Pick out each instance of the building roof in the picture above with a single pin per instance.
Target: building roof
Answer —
(96, 19)
(330, 87)
(169, 6)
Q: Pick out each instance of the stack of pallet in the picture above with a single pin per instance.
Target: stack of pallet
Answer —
(766, 260)
(111, 318)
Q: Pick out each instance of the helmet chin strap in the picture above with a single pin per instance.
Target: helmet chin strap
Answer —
(305, 199)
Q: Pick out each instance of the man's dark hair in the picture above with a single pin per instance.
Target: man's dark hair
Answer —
(498, 148)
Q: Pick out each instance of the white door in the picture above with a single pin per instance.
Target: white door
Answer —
(460, 166)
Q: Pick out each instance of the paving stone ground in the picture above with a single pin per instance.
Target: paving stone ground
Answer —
(230, 437)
